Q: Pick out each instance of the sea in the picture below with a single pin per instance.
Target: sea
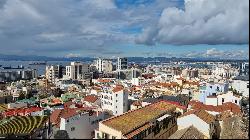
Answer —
(40, 68)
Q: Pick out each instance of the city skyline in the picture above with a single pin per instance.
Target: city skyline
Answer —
(112, 28)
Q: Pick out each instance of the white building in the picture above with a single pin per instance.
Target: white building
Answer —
(138, 81)
(122, 63)
(242, 86)
(200, 119)
(223, 98)
(52, 72)
(81, 125)
(77, 70)
(114, 99)
(103, 65)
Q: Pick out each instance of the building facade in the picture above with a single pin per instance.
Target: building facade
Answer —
(122, 63)
(77, 70)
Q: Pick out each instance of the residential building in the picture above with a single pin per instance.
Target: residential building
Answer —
(77, 71)
(138, 81)
(200, 119)
(81, 125)
(54, 71)
(153, 121)
(114, 99)
(103, 65)
(211, 88)
(241, 85)
(122, 63)
(219, 99)
(17, 74)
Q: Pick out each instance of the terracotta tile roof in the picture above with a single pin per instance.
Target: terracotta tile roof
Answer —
(188, 133)
(21, 111)
(67, 104)
(202, 114)
(138, 130)
(91, 98)
(220, 108)
(132, 120)
(137, 103)
(65, 113)
(117, 88)
(104, 80)
(55, 116)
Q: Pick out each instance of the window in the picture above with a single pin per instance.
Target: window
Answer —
(67, 120)
(73, 128)
(115, 106)
(116, 95)
(235, 101)
(211, 87)
(116, 100)
(113, 137)
(222, 100)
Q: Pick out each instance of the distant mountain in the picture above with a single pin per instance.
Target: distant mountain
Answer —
(4, 57)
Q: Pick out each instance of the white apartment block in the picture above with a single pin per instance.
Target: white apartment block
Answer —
(81, 125)
(77, 70)
(52, 72)
(115, 100)
(223, 98)
(103, 65)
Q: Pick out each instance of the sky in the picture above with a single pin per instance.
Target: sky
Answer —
(112, 28)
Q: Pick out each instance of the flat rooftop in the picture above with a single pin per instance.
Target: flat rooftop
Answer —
(134, 119)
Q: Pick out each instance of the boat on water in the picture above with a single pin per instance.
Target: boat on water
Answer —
(18, 67)
(38, 63)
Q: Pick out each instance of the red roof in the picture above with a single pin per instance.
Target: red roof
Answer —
(104, 80)
(137, 103)
(117, 88)
(91, 98)
(21, 111)
(220, 108)
(57, 114)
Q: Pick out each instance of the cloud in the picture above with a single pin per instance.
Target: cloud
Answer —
(201, 22)
(72, 55)
(215, 53)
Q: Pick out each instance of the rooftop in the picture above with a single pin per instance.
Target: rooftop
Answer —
(3, 107)
(134, 119)
(91, 98)
(188, 133)
(202, 114)
(21, 124)
(220, 108)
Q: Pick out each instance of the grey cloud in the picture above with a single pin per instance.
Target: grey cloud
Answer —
(201, 22)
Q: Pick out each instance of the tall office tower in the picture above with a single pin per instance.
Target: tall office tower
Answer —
(122, 63)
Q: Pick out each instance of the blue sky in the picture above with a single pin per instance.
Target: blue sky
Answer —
(111, 28)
